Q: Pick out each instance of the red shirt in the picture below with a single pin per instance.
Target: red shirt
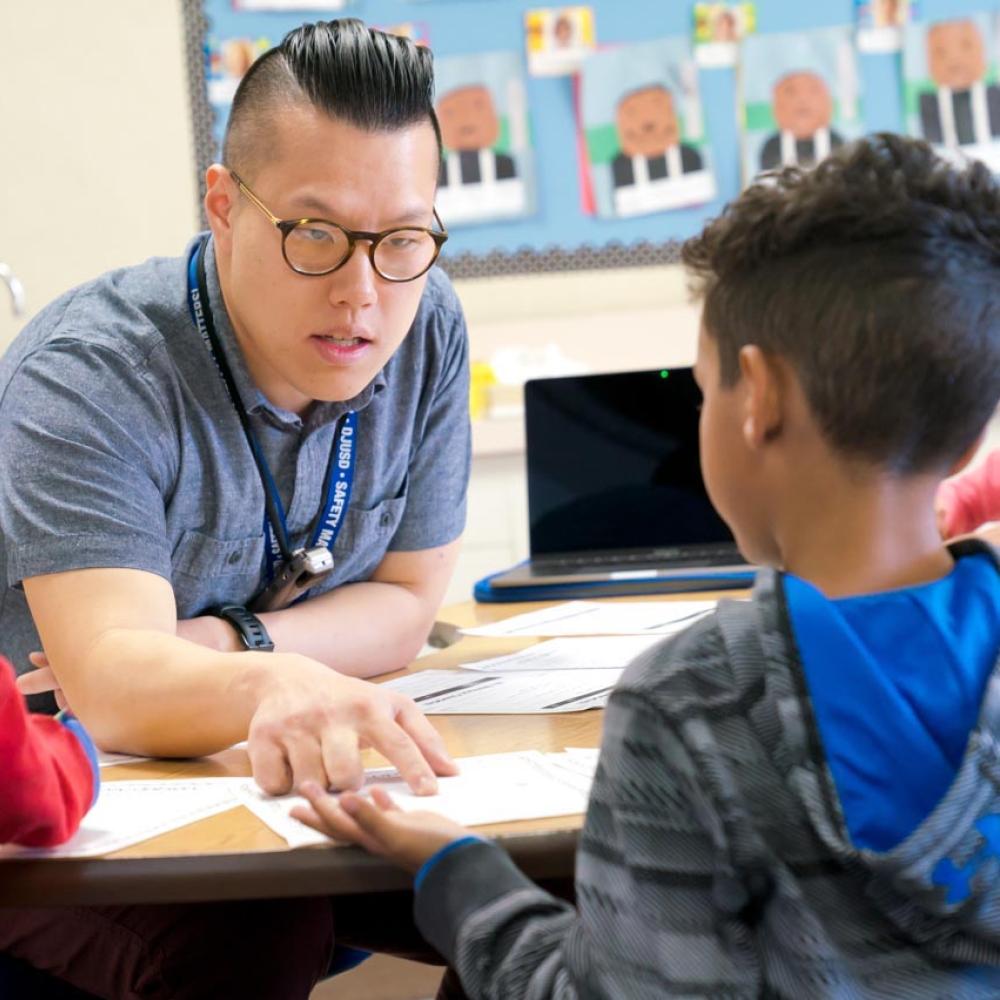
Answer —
(971, 499)
(48, 771)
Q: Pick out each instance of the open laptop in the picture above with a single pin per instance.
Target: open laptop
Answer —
(615, 491)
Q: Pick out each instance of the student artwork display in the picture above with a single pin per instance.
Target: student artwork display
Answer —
(718, 30)
(558, 39)
(881, 23)
(801, 98)
(951, 86)
(645, 142)
(292, 5)
(227, 59)
(487, 170)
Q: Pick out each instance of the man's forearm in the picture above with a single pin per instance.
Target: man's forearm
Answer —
(148, 692)
(361, 629)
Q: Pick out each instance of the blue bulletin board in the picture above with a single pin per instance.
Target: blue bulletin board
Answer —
(559, 234)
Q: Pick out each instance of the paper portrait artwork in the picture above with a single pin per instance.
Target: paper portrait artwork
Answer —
(801, 98)
(645, 140)
(951, 86)
(718, 30)
(558, 39)
(228, 59)
(881, 23)
(487, 168)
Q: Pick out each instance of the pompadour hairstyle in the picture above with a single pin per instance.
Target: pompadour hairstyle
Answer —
(877, 276)
(370, 79)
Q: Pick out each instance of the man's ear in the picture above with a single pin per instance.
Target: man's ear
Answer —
(763, 396)
(220, 201)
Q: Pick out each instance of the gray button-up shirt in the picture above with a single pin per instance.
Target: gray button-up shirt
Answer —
(120, 447)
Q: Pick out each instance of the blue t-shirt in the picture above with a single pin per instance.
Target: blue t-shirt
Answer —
(896, 681)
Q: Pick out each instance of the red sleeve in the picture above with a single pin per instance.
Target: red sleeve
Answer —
(971, 499)
(46, 777)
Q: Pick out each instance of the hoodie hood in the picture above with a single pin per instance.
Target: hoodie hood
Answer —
(911, 786)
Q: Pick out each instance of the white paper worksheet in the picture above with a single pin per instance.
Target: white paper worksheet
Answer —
(518, 692)
(128, 812)
(494, 788)
(591, 618)
(590, 653)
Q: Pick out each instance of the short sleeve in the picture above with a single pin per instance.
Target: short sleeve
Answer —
(87, 443)
(438, 476)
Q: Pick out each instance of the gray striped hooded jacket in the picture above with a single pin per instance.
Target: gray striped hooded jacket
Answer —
(715, 860)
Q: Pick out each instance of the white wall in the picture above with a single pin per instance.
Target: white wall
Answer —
(96, 158)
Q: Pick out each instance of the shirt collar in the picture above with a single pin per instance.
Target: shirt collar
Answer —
(254, 401)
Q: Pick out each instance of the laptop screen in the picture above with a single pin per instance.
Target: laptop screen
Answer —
(613, 463)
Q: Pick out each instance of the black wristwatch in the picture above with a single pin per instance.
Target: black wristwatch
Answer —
(250, 628)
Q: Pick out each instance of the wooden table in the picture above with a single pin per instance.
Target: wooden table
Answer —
(233, 855)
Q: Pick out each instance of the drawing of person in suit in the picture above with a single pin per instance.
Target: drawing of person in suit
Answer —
(649, 137)
(469, 129)
(803, 110)
(963, 111)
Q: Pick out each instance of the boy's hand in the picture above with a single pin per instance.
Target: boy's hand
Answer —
(378, 825)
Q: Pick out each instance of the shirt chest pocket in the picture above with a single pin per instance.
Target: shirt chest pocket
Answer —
(209, 570)
(363, 541)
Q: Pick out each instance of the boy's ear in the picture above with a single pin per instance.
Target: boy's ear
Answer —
(763, 397)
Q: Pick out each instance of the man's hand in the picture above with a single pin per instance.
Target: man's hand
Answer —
(378, 825)
(311, 723)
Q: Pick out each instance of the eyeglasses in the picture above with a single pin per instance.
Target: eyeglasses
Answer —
(315, 247)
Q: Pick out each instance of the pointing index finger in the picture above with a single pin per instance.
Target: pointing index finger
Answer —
(395, 744)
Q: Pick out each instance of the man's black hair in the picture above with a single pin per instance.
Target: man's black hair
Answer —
(371, 79)
(877, 276)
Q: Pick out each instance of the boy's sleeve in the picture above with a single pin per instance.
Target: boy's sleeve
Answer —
(49, 776)
(650, 920)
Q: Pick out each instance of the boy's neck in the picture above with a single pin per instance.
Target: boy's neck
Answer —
(852, 535)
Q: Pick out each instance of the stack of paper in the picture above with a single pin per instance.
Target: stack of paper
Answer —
(590, 618)
(495, 788)
(566, 675)
(471, 692)
(128, 812)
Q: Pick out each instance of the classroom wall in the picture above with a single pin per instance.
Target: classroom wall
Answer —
(95, 168)
(96, 172)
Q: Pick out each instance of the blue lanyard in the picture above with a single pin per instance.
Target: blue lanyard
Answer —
(339, 478)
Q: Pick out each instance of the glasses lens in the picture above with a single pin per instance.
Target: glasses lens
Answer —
(315, 247)
(404, 253)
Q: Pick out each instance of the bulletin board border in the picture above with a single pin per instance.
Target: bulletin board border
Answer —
(494, 263)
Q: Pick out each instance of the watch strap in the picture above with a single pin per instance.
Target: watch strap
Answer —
(250, 628)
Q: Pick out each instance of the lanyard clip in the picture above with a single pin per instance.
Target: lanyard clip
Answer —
(293, 578)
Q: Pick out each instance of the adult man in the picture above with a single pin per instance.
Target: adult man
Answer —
(964, 110)
(803, 109)
(154, 490)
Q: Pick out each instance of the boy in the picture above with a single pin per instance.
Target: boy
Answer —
(799, 797)
(49, 777)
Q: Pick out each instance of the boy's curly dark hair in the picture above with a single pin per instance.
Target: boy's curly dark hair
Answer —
(877, 276)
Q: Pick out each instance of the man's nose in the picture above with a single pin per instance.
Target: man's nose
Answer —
(355, 283)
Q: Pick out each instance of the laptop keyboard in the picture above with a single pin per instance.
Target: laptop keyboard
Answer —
(689, 555)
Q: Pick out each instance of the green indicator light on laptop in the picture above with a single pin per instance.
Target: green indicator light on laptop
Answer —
(664, 373)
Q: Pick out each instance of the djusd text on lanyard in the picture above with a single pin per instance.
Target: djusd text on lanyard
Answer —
(288, 573)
